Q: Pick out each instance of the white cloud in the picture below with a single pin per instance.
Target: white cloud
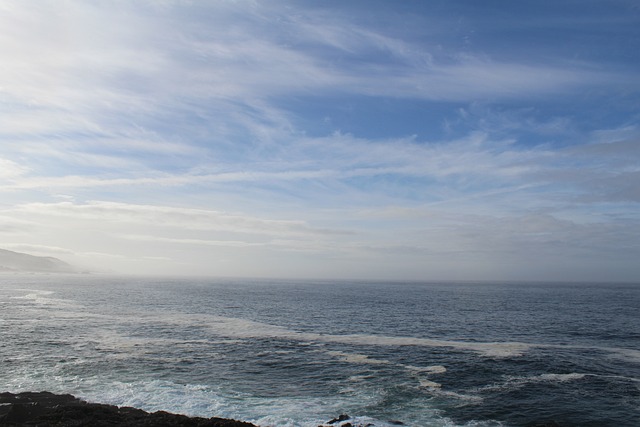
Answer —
(331, 159)
(224, 243)
(151, 104)
(80, 62)
(10, 169)
(90, 83)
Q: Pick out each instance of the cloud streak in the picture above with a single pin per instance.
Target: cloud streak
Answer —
(181, 218)
(309, 139)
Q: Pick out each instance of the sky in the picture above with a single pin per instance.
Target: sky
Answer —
(377, 140)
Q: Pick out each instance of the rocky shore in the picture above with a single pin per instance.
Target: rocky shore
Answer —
(44, 409)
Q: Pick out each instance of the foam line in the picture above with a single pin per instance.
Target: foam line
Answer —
(357, 358)
(247, 329)
(436, 369)
(237, 328)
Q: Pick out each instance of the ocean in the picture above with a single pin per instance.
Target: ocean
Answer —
(300, 353)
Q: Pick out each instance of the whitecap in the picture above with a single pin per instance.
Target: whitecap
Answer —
(43, 298)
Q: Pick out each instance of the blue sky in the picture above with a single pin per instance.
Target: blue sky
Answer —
(431, 140)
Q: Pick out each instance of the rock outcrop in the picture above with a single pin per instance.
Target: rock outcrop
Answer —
(44, 409)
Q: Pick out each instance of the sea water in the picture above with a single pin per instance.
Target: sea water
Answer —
(300, 353)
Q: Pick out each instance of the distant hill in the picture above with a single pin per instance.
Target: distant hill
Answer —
(19, 262)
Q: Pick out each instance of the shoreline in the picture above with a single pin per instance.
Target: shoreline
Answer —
(46, 409)
(49, 409)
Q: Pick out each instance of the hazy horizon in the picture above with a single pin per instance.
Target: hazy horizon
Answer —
(421, 141)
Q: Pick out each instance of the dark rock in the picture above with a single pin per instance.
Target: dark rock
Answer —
(342, 417)
(46, 409)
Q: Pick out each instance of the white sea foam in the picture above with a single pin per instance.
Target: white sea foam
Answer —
(158, 395)
(151, 395)
(237, 328)
(516, 382)
(43, 298)
(360, 378)
(418, 371)
(234, 329)
(357, 358)
(625, 354)
(247, 329)
(465, 399)
(315, 411)
(561, 377)
(436, 369)
(429, 384)
(36, 294)
(275, 421)
(207, 401)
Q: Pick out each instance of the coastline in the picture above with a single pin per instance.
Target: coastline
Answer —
(49, 409)
(46, 409)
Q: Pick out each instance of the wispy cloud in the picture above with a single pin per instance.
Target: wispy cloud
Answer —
(460, 167)
(181, 218)
(38, 249)
(10, 169)
(225, 243)
(402, 139)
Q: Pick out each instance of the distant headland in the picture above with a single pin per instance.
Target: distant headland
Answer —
(24, 263)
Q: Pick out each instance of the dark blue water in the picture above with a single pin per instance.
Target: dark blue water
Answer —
(286, 353)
